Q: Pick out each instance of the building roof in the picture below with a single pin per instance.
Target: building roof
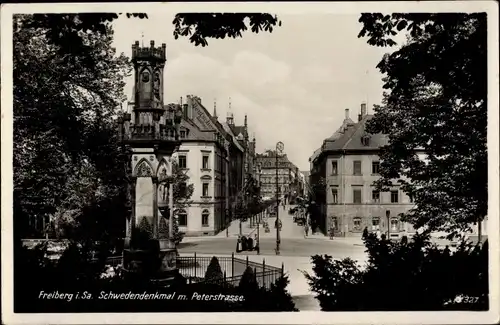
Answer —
(268, 160)
(315, 154)
(229, 130)
(238, 129)
(349, 137)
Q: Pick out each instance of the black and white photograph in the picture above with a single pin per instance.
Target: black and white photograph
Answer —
(250, 162)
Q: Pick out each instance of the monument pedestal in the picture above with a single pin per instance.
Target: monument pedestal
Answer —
(157, 263)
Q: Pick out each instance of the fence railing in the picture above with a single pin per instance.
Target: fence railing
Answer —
(193, 268)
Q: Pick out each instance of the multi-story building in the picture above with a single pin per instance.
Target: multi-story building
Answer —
(287, 174)
(238, 158)
(305, 180)
(343, 172)
(204, 157)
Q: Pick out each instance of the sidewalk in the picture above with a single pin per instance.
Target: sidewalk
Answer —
(356, 241)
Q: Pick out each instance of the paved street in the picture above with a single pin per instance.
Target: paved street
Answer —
(293, 241)
(296, 251)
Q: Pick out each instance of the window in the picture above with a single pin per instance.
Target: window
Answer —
(356, 223)
(375, 167)
(410, 197)
(205, 162)
(182, 218)
(394, 224)
(335, 195)
(356, 196)
(334, 223)
(334, 168)
(182, 161)
(357, 167)
(183, 134)
(375, 223)
(365, 140)
(376, 196)
(182, 189)
(394, 196)
(205, 189)
(204, 218)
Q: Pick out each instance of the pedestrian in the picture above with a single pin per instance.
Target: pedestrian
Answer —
(239, 247)
(306, 228)
(365, 233)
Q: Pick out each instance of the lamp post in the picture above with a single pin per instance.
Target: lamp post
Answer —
(388, 216)
(279, 149)
(260, 206)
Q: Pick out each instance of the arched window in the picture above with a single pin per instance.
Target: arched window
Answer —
(394, 224)
(204, 218)
(356, 223)
(182, 218)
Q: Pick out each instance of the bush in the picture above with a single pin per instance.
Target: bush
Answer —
(406, 275)
(214, 272)
(66, 277)
(248, 282)
(280, 298)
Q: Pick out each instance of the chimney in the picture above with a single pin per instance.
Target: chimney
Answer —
(346, 113)
(363, 109)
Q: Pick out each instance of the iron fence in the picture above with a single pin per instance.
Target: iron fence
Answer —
(193, 268)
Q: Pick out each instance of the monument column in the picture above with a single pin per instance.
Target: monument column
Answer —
(152, 256)
(155, 207)
(130, 224)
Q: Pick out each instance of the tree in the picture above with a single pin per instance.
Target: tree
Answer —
(436, 102)
(214, 272)
(64, 135)
(403, 276)
(182, 197)
(248, 283)
(200, 26)
(280, 298)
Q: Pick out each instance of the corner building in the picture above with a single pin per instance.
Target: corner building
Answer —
(347, 165)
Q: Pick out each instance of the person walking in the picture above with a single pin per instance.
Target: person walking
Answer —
(306, 229)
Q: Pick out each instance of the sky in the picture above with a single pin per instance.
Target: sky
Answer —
(294, 83)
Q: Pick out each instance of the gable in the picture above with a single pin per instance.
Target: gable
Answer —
(202, 118)
(192, 131)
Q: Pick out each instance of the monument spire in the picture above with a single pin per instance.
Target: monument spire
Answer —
(215, 108)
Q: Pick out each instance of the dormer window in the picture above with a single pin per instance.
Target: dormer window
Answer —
(183, 133)
(365, 140)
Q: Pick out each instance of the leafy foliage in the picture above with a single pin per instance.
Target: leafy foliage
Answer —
(438, 108)
(406, 275)
(280, 298)
(183, 191)
(200, 26)
(248, 283)
(65, 153)
(77, 273)
(214, 272)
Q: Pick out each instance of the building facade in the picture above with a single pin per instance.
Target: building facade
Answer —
(203, 156)
(343, 173)
(242, 160)
(287, 181)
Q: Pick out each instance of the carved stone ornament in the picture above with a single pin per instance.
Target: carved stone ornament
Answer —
(135, 158)
(144, 170)
(145, 76)
(151, 158)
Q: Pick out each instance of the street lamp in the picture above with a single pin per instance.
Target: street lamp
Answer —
(388, 216)
(260, 206)
(279, 149)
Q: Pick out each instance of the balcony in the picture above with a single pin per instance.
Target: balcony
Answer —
(148, 132)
